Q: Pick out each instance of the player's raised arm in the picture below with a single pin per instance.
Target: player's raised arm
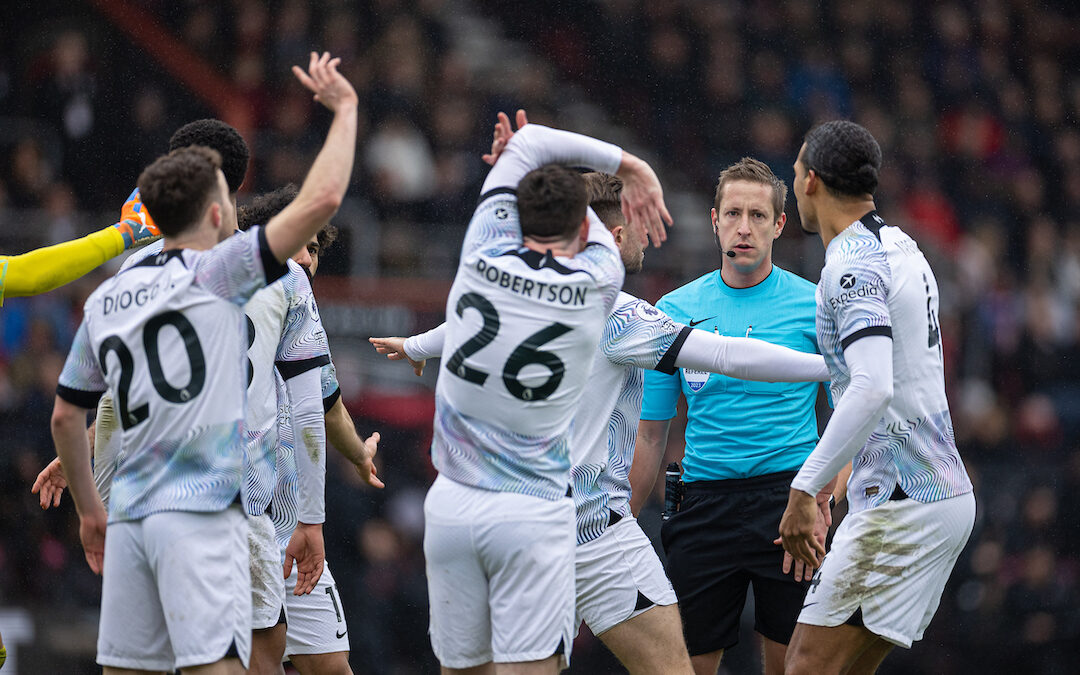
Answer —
(326, 182)
(50, 267)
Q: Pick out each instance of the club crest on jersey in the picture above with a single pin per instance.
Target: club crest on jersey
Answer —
(695, 379)
(647, 312)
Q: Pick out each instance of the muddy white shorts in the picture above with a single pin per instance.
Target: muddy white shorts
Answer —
(618, 577)
(891, 562)
(176, 591)
(267, 573)
(500, 569)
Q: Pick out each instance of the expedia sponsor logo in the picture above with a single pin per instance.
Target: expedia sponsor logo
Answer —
(695, 379)
(865, 291)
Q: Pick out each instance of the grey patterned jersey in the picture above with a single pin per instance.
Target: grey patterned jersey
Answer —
(636, 336)
(876, 281)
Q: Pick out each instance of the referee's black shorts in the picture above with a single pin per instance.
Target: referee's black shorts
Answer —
(721, 542)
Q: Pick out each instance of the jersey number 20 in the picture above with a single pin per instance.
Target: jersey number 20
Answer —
(524, 354)
(131, 417)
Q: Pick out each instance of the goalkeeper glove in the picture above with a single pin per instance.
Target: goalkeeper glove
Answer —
(136, 225)
(3, 655)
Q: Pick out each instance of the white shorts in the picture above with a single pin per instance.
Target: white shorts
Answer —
(267, 573)
(500, 569)
(892, 562)
(316, 620)
(176, 591)
(619, 576)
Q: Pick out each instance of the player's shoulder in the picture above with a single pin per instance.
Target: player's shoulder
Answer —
(142, 254)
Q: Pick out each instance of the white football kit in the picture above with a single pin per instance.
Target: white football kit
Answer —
(911, 502)
(165, 337)
(609, 540)
(522, 327)
(285, 339)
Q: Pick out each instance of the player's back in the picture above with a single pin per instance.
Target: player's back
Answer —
(522, 331)
(913, 445)
(165, 338)
(158, 334)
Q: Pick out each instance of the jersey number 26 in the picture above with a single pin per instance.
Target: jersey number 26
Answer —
(524, 354)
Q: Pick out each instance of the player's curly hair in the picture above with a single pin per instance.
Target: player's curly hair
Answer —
(551, 202)
(219, 136)
(267, 205)
(845, 156)
(604, 192)
(179, 186)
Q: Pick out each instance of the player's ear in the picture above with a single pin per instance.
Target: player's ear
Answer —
(617, 233)
(812, 181)
(780, 225)
(215, 214)
(583, 231)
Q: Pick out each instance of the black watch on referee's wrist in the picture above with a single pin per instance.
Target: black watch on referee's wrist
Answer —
(832, 502)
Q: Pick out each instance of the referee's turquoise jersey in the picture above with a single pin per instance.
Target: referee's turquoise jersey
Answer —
(737, 428)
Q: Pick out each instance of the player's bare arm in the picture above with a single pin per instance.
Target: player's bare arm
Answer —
(69, 435)
(648, 453)
(326, 182)
(341, 433)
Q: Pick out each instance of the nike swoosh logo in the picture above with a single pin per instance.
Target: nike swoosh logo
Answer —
(342, 633)
(694, 323)
(804, 607)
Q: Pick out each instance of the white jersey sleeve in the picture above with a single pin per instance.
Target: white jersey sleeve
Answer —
(309, 440)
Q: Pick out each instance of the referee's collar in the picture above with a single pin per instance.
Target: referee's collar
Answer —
(764, 286)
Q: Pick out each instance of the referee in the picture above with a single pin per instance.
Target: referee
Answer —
(744, 440)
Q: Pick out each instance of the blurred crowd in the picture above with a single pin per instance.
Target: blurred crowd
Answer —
(976, 106)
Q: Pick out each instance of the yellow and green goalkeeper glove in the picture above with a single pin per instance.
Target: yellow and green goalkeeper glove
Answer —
(136, 226)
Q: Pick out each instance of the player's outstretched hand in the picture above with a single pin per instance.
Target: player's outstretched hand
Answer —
(799, 530)
(307, 551)
(643, 198)
(50, 484)
(502, 135)
(136, 225)
(394, 348)
(92, 534)
(329, 86)
(366, 467)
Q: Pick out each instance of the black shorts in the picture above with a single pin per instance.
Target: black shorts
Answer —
(719, 543)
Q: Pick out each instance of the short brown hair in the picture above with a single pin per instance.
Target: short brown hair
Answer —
(551, 202)
(177, 187)
(267, 205)
(604, 192)
(754, 171)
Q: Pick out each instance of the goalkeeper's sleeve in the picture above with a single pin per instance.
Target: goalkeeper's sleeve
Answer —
(44, 269)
